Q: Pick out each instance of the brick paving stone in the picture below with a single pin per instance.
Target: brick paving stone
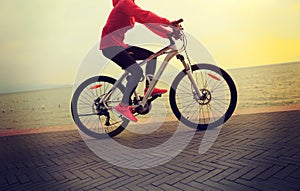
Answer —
(91, 173)
(283, 173)
(202, 186)
(228, 164)
(270, 172)
(119, 181)
(292, 180)
(94, 183)
(168, 187)
(174, 178)
(255, 172)
(150, 181)
(282, 184)
(190, 166)
(68, 175)
(223, 174)
(252, 162)
(239, 173)
(254, 154)
(259, 185)
(194, 176)
(269, 160)
(221, 186)
(79, 184)
(127, 180)
(236, 185)
(166, 179)
(3, 181)
(59, 185)
(154, 188)
(22, 178)
(182, 186)
(137, 182)
(135, 188)
(296, 174)
(26, 186)
(209, 175)
(80, 174)
(11, 179)
(166, 170)
(116, 172)
(57, 176)
(176, 168)
(243, 163)
(213, 165)
(128, 172)
(289, 160)
(121, 189)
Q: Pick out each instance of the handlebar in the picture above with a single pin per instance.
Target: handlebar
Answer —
(175, 31)
(178, 22)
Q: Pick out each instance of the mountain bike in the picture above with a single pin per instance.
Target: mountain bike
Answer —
(201, 96)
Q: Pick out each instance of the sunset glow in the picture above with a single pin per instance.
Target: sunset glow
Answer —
(44, 42)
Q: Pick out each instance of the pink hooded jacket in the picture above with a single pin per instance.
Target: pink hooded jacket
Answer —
(123, 17)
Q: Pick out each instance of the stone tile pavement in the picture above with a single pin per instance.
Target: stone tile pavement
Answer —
(252, 152)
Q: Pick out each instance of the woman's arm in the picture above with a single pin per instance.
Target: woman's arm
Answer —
(140, 15)
(149, 19)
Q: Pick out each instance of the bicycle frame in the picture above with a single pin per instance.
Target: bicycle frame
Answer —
(154, 81)
(171, 51)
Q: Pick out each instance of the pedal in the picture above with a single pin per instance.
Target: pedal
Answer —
(107, 123)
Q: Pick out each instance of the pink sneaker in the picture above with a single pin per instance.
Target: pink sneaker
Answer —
(156, 91)
(126, 112)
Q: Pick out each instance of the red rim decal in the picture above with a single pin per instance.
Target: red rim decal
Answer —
(95, 87)
(214, 77)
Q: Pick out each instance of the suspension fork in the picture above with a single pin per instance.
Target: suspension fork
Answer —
(189, 74)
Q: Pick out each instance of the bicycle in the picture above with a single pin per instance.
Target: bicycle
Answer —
(201, 96)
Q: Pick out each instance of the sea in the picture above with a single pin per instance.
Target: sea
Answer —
(263, 86)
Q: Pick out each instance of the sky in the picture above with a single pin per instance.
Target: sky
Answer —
(42, 43)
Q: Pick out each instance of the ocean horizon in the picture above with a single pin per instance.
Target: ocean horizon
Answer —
(261, 86)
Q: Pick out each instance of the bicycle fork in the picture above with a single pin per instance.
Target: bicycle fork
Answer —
(189, 74)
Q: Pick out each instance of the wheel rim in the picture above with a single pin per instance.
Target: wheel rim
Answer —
(216, 104)
(87, 115)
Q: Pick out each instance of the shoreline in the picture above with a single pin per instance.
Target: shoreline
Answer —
(271, 109)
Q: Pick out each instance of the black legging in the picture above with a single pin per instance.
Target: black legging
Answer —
(126, 59)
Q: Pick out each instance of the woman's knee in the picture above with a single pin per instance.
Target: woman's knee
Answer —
(135, 70)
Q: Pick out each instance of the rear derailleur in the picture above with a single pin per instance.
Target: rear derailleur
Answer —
(102, 110)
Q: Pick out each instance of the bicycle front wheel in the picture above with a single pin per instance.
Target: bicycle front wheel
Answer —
(216, 104)
(91, 114)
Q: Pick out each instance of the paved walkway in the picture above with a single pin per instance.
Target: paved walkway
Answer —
(252, 152)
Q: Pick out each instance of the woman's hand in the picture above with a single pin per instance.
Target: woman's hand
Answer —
(176, 28)
(174, 24)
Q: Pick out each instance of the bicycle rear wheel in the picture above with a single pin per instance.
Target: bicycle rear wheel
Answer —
(218, 101)
(90, 114)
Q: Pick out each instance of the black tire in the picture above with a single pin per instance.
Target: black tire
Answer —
(212, 110)
(84, 111)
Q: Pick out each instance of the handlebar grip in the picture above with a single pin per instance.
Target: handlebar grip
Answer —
(179, 21)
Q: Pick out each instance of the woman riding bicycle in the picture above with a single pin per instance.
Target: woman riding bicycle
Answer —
(121, 19)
